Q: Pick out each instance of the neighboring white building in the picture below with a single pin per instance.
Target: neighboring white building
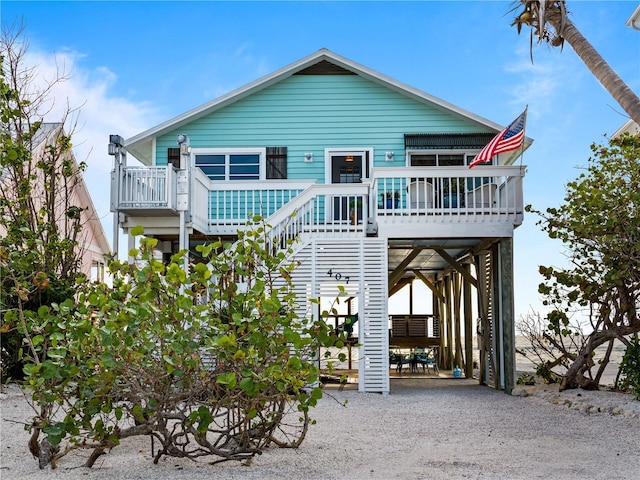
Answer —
(630, 126)
(634, 19)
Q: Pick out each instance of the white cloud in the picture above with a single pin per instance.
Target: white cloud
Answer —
(99, 113)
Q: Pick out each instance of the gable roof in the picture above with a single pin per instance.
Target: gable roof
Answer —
(629, 126)
(322, 62)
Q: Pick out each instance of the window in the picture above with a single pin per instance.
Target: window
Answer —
(241, 164)
(437, 159)
(471, 157)
(97, 271)
(173, 157)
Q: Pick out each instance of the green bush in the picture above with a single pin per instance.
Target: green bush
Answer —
(213, 361)
(526, 379)
(630, 368)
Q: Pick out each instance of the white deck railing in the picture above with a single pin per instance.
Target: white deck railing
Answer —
(223, 207)
(145, 188)
(322, 210)
(393, 195)
(449, 194)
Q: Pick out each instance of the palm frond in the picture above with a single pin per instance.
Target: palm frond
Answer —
(536, 14)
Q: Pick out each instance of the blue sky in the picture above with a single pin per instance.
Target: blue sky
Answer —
(136, 64)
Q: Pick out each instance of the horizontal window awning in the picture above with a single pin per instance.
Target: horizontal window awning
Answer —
(446, 141)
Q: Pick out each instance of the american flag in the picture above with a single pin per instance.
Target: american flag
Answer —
(508, 139)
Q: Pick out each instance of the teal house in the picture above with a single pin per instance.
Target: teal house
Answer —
(372, 177)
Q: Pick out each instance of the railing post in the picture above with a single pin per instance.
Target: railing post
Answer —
(117, 150)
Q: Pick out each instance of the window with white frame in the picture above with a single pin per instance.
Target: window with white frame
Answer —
(422, 159)
(231, 164)
(448, 159)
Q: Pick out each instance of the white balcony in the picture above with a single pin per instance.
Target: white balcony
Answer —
(403, 201)
(450, 201)
(150, 191)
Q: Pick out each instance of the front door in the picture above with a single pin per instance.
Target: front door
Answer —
(347, 167)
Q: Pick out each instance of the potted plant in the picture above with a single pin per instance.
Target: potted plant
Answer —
(355, 209)
(391, 199)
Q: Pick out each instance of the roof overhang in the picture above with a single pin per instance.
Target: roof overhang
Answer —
(630, 126)
(634, 19)
(140, 146)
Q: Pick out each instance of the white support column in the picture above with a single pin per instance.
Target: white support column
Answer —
(131, 240)
(185, 191)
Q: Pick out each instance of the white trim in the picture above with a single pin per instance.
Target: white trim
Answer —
(261, 151)
(629, 126)
(154, 152)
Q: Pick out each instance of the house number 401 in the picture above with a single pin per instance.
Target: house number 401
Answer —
(337, 275)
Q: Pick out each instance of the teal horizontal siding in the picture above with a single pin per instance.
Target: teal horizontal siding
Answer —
(309, 113)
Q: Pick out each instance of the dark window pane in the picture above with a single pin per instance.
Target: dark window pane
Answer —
(244, 172)
(210, 159)
(423, 160)
(244, 169)
(445, 160)
(243, 177)
(213, 170)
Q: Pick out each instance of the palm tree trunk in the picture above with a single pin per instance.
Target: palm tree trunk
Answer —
(609, 79)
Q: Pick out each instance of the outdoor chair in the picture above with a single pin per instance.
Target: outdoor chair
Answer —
(482, 196)
(421, 195)
(428, 360)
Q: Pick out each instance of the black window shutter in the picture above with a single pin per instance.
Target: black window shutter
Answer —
(276, 162)
(173, 157)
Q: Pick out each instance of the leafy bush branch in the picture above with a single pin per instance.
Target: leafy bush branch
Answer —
(214, 361)
(599, 225)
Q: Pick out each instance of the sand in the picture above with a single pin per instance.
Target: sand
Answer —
(427, 428)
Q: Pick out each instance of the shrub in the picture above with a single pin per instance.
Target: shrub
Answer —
(210, 362)
(630, 368)
(526, 379)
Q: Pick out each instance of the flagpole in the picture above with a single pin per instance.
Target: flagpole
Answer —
(503, 141)
(524, 133)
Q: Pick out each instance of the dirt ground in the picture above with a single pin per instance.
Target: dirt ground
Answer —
(427, 428)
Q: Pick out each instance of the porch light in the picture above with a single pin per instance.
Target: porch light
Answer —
(308, 157)
(388, 156)
(117, 140)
